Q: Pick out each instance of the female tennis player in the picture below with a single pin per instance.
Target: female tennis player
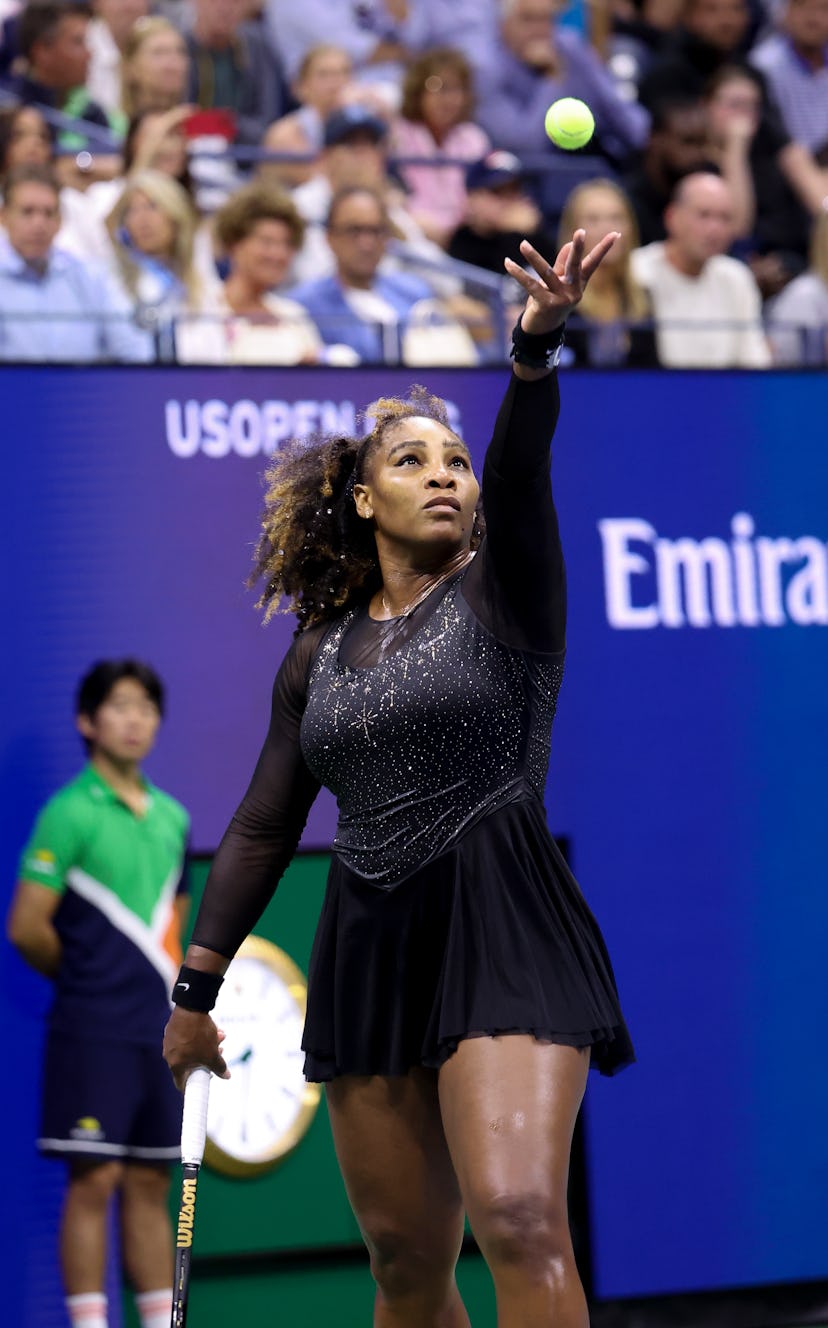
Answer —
(459, 986)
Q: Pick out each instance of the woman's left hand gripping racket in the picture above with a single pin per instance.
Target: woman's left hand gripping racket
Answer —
(193, 1138)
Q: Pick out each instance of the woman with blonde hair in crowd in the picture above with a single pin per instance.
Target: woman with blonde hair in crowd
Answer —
(152, 229)
(798, 317)
(435, 122)
(154, 67)
(245, 320)
(319, 87)
(612, 325)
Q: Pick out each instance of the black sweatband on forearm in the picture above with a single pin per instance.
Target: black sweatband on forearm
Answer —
(536, 352)
(196, 990)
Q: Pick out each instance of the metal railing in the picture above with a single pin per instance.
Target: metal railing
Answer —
(158, 335)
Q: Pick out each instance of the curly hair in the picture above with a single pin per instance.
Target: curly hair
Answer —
(430, 64)
(314, 550)
(255, 202)
(170, 198)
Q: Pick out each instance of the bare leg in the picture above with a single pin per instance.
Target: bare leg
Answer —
(146, 1229)
(403, 1190)
(83, 1228)
(509, 1107)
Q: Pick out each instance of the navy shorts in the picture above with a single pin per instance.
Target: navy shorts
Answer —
(108, 1101)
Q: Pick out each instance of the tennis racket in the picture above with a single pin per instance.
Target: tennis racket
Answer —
(193, 1138)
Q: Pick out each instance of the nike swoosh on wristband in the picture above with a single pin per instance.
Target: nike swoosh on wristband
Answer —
(185, 986)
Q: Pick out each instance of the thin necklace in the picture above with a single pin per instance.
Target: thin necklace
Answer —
(425, 592)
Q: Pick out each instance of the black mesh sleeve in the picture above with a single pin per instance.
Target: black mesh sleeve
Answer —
(262, 836)
(517, 583)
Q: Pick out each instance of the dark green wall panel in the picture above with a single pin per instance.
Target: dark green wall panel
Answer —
(302, 1204)
(340, 1295)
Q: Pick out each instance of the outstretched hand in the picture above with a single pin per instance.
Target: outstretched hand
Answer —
(561, 283)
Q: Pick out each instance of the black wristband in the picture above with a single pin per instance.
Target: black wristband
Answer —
(196, 990)
(535, 351)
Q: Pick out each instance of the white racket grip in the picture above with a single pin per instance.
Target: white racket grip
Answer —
(194, 1118)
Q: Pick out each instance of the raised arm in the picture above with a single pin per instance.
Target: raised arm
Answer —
(517, 583)
(254, 852)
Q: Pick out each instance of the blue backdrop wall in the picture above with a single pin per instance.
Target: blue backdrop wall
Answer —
(688, 767)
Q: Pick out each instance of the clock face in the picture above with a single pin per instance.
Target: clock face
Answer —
(257, 1116)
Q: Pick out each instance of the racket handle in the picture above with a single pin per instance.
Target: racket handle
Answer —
(194, 1118)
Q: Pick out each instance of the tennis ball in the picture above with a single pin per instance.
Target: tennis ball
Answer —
(569, 123)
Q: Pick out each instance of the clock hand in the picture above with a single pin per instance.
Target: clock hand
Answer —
(244, 1058)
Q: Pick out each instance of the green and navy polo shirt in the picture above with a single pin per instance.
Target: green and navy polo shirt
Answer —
(118, 875)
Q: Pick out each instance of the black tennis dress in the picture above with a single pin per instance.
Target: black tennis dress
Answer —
(449, 912)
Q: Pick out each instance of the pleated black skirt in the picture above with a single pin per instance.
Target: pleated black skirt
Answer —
(492, 937)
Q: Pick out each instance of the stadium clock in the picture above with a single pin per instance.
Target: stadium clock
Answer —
(261, 1113)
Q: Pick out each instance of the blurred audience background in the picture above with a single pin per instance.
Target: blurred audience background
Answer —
(153, 117)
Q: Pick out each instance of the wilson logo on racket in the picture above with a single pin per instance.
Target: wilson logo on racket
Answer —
(186, 1216)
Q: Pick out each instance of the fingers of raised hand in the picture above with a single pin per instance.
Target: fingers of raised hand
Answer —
(554, 274)
(565, 279)
(572, 262)
(523, 278)
(598, 253)
(536, 260)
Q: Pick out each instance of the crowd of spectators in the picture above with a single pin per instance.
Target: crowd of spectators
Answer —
(265, 182)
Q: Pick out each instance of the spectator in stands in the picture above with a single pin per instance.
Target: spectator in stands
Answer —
(470, 26)
(798, 318)
(707, 306)
(380, 36)
(107, 38)
(25, 139)
(613, 323)
(638, 32)
(51, 37)
(232, 68)
(154, 68)
(355, 152)
(714, 34)
(677, 147)
(711, 33)
(373, 35)
(388, 318)
(435, 123)
(53, 307)
(246, 321)
(536, 64)
(154, 141)
(500, 212)
(319, 87)
(770, 219)
(794, 62)
(152, 231)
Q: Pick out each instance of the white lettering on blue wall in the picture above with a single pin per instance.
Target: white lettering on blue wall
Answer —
(746, 580)
(249, 428)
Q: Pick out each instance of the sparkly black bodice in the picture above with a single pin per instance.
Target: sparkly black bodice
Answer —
(451, 726)
(423, 740)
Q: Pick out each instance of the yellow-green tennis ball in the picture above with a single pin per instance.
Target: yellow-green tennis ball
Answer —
(569, 123)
